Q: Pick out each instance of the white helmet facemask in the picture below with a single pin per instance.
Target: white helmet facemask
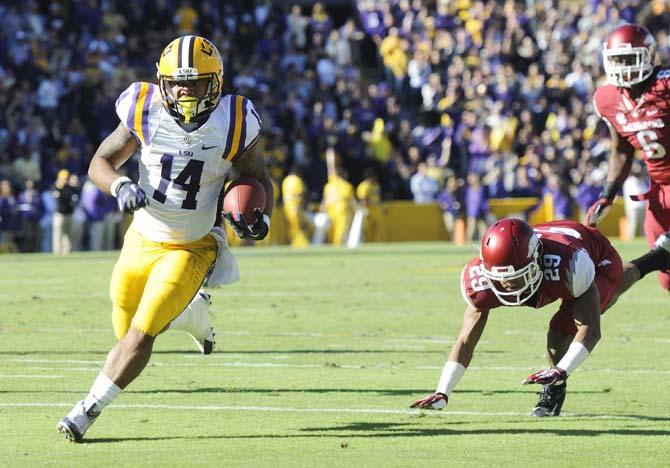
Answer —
(627, 66)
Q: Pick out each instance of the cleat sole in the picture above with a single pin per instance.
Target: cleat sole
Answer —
(69, 433)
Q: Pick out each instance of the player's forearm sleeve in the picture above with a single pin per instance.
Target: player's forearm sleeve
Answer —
(451, 374)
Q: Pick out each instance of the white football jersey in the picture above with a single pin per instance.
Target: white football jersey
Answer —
(183, 172)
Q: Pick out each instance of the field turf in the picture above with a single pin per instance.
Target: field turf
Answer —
(320, 353)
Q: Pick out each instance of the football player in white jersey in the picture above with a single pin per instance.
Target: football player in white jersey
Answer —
(190, 136)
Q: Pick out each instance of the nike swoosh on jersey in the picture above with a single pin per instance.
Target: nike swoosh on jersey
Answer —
(205, 148)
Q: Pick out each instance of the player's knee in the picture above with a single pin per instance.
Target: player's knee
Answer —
(137, 341)
(120, 321)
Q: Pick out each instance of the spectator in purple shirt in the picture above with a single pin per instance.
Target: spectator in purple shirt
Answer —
(9, 220)
(95, 205)
(30, 211)
(450, 204)
(476, 207)
(372, 20)
(320, 22)
(561, 200)
(588, 191)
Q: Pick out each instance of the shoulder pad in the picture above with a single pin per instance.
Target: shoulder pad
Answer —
(244, 125)
(137, 107)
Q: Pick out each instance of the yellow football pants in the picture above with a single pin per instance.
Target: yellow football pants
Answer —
(341, 221)
(153, 282)
(297, 226)
(374, 229)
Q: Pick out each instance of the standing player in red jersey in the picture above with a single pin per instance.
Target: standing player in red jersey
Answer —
(520, 265)
(635, 105)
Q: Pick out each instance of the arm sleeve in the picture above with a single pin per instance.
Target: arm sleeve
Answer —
(134, 108)
(253, 124)
(464, 288)
(475, 288)
(124, 103)
(244, 129)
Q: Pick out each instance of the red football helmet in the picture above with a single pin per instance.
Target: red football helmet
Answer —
(511, 260)
(628, 55)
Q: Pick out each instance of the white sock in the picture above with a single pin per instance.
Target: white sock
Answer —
(102, 393)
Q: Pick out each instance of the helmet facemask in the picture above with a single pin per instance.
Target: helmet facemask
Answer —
(190, 109)
(628, 66)
(531, 274)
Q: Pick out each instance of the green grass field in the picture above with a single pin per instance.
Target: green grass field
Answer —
(319, 355)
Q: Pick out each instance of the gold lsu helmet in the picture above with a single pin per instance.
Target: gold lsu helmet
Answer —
(190, 58)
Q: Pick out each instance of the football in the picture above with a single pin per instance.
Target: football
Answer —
(243, 195)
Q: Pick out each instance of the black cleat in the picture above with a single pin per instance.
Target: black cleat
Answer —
(551, 401)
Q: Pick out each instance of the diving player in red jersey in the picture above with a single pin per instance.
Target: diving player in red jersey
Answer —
(520, 265)
(635, 105)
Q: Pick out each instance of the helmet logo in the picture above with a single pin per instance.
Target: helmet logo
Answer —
(167, 50)
(206, 50)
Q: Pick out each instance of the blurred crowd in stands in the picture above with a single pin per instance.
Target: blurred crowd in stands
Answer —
(454, 101)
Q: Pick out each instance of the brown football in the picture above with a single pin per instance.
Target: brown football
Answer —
(243, 195)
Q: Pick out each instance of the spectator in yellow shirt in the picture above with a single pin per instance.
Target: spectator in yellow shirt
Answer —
(338, 200)
(186, 19)
(294, 192)
(369, 198)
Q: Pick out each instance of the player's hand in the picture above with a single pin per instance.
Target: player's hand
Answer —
(597, 211)
(553, 376)
(436, 401)
(255, 231)
(130, 197)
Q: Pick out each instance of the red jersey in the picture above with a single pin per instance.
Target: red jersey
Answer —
(570, 254)
(643, 123)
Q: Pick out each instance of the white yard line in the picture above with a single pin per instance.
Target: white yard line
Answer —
(276, 409)
(30, 376)
(58, 361)
(209, 362)
(70, 369)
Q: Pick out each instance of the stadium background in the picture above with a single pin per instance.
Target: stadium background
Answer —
(453, 103)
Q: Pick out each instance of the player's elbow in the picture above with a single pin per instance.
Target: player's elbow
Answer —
(91, 170)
